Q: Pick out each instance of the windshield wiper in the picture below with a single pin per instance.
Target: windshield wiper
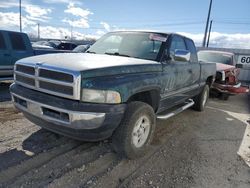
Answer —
(91, 52)
(117, 54)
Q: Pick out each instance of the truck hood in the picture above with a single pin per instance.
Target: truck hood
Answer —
(90, 62)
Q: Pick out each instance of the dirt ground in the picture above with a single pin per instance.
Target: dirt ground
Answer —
(192, 149)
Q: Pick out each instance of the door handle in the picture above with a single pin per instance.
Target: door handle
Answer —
(190, 70)
(6, 55)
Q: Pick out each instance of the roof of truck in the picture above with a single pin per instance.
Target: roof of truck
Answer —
(149, 31)
(218, 52)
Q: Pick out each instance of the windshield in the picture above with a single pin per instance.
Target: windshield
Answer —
(129, 44)
(215, 57)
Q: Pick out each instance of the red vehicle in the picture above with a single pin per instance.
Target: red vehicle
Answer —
(226, 81)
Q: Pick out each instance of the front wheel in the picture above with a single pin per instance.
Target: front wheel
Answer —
(201, 99)
(133, 136)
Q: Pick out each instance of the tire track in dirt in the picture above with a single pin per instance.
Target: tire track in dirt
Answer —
(87, 174)
(11, 173)
(57, 166)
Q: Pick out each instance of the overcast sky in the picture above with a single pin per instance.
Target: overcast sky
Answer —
(93, 18)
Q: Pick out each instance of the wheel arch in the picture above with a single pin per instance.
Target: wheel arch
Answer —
(210, 81)
(151, 96)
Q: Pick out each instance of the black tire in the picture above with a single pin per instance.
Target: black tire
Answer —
(201, 99)
(123, 140)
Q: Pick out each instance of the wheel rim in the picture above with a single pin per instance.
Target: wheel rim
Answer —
(205, 98)
(141, 131)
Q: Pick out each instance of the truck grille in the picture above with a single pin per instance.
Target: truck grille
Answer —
(50, 80)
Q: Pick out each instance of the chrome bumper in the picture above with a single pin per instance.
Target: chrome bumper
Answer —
(58, 116)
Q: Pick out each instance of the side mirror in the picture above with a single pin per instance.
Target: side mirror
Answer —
(182, 55)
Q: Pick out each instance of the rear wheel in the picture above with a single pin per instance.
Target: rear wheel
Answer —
(133, 136)
(201, 99)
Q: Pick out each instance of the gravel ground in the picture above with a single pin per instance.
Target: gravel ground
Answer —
(192, 149)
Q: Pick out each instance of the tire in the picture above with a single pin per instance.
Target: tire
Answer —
(138, 118)
(201, 99)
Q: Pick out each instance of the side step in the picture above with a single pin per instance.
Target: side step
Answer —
(187, 105)
(6, 78)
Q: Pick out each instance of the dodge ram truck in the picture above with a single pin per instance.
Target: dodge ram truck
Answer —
(116, 89)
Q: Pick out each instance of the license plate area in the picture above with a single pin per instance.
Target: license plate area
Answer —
(55, 114)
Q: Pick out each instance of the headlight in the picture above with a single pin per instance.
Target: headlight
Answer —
(100, 96)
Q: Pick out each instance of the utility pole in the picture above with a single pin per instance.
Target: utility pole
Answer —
(210, 27)
(38, 30)
(208, 18)
(20, 15)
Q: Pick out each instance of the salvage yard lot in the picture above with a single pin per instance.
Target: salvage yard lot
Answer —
(191, 149)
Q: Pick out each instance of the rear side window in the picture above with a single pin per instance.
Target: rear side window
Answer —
(17, 42)
(2, 42)
(191, 47)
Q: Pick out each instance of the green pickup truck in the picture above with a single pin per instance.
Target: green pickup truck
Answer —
(117, 89)
(15, 46)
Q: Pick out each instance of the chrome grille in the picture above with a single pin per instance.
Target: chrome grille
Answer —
(56, 76)
(25, 80)
(51, 80)
(26, 69)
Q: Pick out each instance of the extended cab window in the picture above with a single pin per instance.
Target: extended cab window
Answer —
(191, 47)
(2, 42)
(17, 41)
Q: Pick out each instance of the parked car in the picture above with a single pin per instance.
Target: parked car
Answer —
(64, 45)
(44, 45)
(226, 81)
(15, 46)
(81, 48)
(118, 88)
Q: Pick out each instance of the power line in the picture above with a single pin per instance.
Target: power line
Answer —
(233, 23)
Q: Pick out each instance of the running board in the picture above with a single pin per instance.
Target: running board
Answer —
(6, 78)
(187, 105)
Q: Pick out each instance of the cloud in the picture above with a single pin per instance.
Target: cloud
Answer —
(105, 25)
(80, 23)
(37, 13)
(61, 33)
(77, 11)
(11, 19)
(223, 40)
(100, 32)
(33, 14)
(82, 16)
(9, 4)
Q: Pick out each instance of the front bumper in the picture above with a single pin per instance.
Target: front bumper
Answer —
(83, 121)
(230, 89)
